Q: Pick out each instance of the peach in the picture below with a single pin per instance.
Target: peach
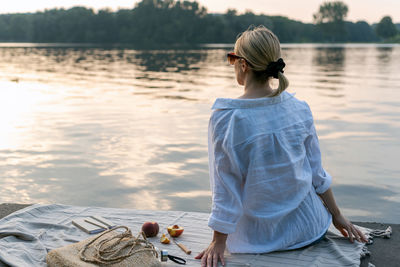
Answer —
(150, 229)
(175, 230)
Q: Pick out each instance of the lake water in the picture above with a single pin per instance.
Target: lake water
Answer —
(119, 127)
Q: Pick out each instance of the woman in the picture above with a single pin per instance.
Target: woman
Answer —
(266, 175)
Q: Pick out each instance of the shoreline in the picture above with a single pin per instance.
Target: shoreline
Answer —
(5, 44)
(384, 252)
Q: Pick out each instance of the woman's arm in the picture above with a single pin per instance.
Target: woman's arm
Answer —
(226, 183)
(219, 237)
(339, 221)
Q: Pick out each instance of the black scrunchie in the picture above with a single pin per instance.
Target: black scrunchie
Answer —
(274, 67)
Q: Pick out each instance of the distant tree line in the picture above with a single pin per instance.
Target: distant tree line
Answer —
(166, 22)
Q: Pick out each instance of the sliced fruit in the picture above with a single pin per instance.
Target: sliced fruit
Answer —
(164, 239)
(175, 230)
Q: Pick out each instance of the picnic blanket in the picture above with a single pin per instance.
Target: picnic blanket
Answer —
(28, 234)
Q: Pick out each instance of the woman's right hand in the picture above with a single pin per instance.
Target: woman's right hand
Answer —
(339, 221)
(348, 229)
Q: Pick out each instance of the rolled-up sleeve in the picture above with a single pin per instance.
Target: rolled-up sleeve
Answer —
(321, 179)
(225, 180)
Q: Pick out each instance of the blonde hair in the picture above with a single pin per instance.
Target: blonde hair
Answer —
(259, 46)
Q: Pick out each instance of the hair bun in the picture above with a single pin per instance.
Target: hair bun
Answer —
(274, 67)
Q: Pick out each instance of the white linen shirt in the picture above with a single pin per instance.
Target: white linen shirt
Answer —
(265, 173)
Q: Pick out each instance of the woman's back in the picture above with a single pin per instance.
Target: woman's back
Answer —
(266, 160)
(268, 185)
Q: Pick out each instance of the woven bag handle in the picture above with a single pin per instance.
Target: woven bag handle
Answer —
(101, 248)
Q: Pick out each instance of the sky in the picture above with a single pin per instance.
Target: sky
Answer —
(369, 10)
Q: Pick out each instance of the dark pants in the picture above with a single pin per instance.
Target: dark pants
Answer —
(313, 243)
(316, 241)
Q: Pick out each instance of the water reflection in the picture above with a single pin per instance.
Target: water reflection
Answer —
(330, 66)
(330, 59)
(170, 61)
(181, 182)
(384, 54)
(119, 127)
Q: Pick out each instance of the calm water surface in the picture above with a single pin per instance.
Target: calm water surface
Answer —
(119, 127)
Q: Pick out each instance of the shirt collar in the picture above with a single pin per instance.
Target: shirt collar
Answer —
(236, 103)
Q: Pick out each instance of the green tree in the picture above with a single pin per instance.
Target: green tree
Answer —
(19, 27)
(330, 19)
(103, 28)
(335, 11)
(360, 31)
(385, 28)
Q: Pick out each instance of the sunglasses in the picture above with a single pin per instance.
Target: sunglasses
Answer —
(232, 58)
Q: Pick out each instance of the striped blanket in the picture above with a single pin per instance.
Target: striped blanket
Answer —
(28, 234)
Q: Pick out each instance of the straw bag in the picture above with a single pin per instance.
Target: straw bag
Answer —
(110, 248)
